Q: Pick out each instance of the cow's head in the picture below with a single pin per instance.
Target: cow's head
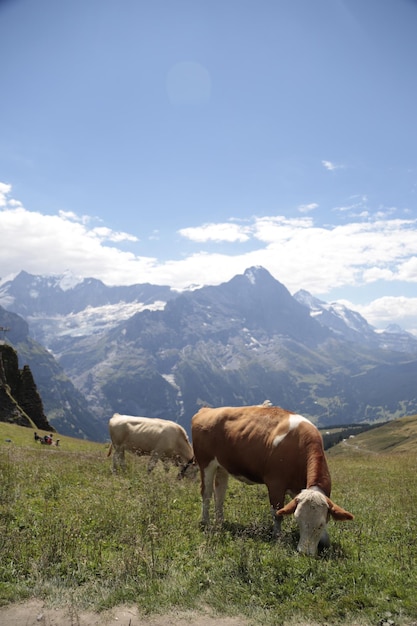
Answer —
(188, 470)
(312, 510)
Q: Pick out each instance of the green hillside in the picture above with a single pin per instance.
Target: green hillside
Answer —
(23, 436)
(76, 535)
(397, 436)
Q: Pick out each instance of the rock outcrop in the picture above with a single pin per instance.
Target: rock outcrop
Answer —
(20, 402)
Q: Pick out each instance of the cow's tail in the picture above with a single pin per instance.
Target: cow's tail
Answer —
(110, 449)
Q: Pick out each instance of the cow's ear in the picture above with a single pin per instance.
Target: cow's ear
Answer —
(287, 509)
(338, 513)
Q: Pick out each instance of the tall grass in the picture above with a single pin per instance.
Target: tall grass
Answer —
(72, 531)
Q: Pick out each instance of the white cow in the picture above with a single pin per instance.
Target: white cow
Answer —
(158, 438)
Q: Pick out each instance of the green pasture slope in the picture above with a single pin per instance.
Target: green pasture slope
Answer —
(72, 533)
(397, 437)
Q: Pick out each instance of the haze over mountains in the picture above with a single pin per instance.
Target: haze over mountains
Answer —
(149, 350)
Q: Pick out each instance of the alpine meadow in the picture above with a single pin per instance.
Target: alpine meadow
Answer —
(208, 313)
(74, 534)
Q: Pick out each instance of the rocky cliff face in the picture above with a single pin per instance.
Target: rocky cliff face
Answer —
(20, 402)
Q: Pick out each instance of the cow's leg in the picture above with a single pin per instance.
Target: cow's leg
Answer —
(119, 458)
(207, 480)
(166, 463)
(153, 461)
(276, 499)
(324, 541)
(277, 522)
(220, 487)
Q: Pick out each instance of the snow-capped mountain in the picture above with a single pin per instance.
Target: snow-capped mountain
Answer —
(352, 326)
(148, 350)
(63, 307)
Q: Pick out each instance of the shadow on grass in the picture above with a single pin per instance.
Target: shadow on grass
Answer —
(259, 532)
(333, 552)
(263, 533)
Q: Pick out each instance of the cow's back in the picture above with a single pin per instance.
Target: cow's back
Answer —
(136, 433)
(237, 427)
(173, 440)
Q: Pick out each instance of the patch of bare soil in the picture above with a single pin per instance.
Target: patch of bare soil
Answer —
(35, 613)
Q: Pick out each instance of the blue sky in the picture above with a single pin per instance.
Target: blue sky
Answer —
(180, 142)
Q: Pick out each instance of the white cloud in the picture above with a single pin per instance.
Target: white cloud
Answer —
(106, 234)
(384, 311)
(306, 208)
(407, 270)
(280, 229)
(331, 167)
(358, 207)
(70, 215)
(373, 274)
(5, 189)
(44, 244)
(296, 251)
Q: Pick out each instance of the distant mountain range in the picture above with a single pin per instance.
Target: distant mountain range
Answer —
(149, 350)
(351, 326)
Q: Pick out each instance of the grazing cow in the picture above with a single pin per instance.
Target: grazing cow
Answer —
(271, 446)
(158, 438)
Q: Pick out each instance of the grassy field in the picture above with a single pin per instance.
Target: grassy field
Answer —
(398, 436)
(71, 532)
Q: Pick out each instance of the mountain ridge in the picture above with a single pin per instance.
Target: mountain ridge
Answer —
(240, 342)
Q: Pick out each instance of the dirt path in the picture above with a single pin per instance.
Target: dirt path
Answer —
(354, 446)
(34, 613)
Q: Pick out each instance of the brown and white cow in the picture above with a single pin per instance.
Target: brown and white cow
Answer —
(158, 438)
(271, 446)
